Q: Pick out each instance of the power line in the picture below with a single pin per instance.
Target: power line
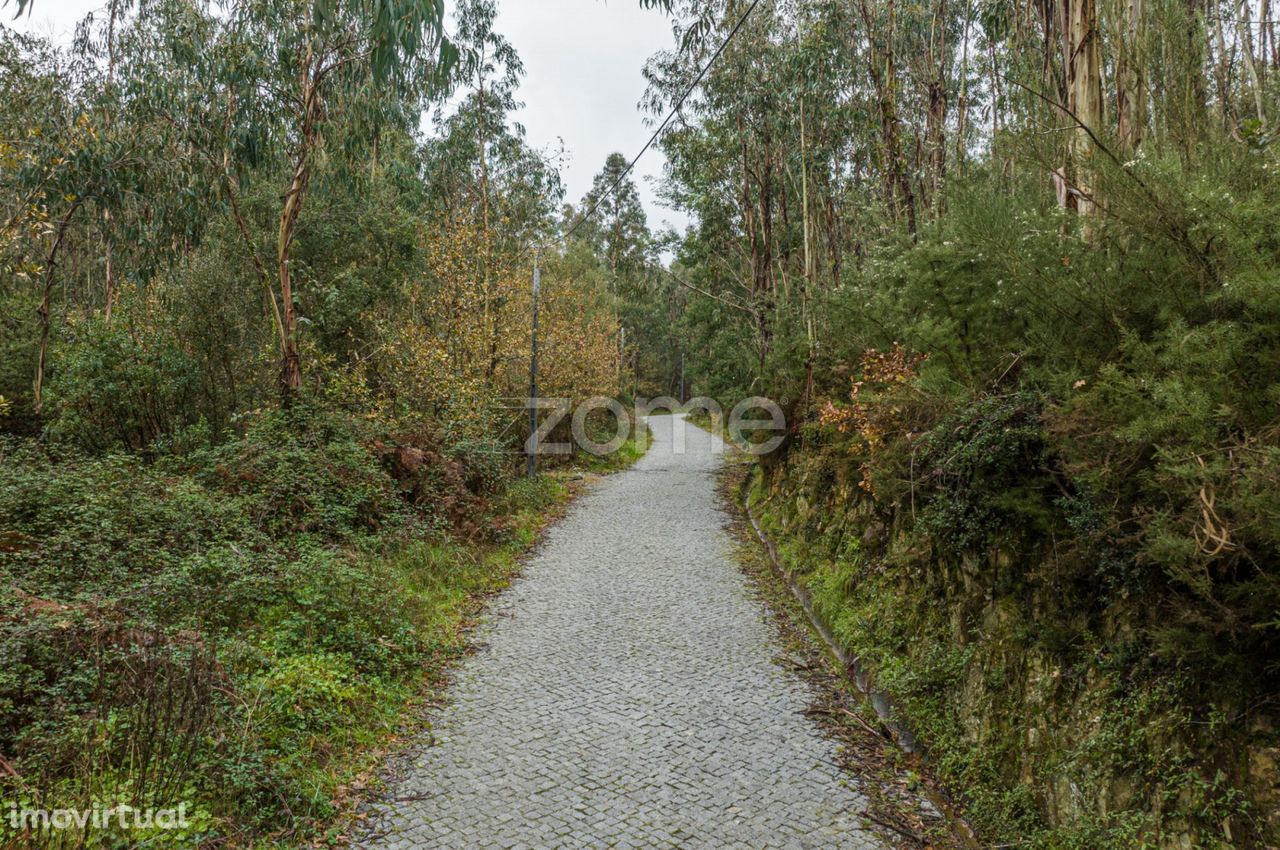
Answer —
(533, 347)
(679, 103)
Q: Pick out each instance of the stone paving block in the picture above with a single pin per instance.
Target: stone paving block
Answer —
(625, 695)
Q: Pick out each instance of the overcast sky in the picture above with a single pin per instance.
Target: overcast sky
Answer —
(582, 84)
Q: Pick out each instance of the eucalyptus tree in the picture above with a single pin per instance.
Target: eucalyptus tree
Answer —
(55, 163)
(305, 54)
(611, 223)
(218, 94)
(521, 183)
(773, 156)
(618, 230)
(158, 193)
(492, 74)
(483, 176)
(480, 171)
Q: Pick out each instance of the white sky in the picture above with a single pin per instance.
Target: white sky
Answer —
(582, 84)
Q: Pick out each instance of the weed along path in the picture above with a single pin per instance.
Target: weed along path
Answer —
(624, 694)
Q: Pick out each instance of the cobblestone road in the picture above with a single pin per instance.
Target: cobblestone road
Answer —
(624, 694)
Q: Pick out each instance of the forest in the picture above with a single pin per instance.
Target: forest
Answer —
(1011, 267)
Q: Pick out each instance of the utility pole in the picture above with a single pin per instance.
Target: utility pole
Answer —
(533, 371)
(682, 377)
(622, 359)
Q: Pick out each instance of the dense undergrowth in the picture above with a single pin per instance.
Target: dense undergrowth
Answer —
(264, 337)
(240, 626)
(1031, 479)
(1082, 679)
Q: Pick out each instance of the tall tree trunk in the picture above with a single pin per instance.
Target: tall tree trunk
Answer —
(50, 264)
(109, 294)
(1085, 76)
(752, 228)
(880, 62)
(835, 251)
(768, 284)
(109, 289)
(963, 101)
(1269, 48)
(1222, 76)
(1131, 84)
(810, 268)
(1244, 34)
(490, 318)
(936, 119)
(290, 362)
(1194, 113)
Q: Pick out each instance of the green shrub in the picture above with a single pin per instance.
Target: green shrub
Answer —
(347, 604)
(984, 468)
(120, 386)
(270, 602)
(303, 471)
(486, 464)
(82, 527)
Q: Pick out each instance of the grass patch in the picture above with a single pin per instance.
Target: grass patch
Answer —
(245, 630)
